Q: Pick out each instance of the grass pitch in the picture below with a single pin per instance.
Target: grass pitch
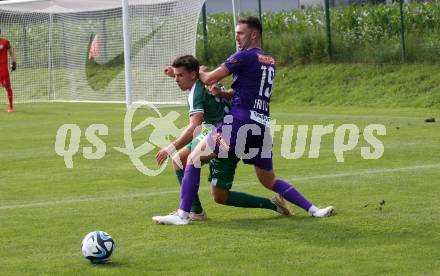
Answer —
(387, 209)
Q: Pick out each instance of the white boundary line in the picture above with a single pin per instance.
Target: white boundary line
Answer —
(348, 116)
(134, 195)
(366, 172)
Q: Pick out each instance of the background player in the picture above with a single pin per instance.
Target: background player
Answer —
(5, 49)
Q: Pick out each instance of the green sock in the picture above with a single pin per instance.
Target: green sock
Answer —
(239, 199)
(196, 205)
(179, 174)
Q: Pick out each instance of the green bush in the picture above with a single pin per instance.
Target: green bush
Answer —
(360, 33)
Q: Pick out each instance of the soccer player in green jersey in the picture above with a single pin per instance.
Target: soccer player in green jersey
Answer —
(203, 107)
(209, 108)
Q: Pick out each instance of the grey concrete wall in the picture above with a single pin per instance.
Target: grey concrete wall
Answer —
(215, 6)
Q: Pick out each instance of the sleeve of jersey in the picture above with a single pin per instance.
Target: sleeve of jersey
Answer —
(235, 62)
(196, 99)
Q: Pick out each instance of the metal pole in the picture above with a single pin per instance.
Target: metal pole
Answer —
(205, 33)
(49, 60)
(328, 29)
(402, 31)
(127, 40)
(261, 20)
(235, 22)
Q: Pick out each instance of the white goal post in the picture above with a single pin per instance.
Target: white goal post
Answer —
(74, 50)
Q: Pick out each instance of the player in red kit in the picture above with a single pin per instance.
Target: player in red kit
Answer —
(5, 49)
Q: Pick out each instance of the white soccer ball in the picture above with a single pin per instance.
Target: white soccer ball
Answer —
(98, 246)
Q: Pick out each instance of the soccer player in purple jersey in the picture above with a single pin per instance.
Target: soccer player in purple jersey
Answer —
(245, 131)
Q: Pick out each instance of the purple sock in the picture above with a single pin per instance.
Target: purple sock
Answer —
(291, 194)
(190, 187)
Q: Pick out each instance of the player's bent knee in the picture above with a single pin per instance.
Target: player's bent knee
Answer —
(220, 196)
(192, 158)
(179, 161)
(179, 164)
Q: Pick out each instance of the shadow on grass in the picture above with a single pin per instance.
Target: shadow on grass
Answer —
(315, 231)
(110, 264)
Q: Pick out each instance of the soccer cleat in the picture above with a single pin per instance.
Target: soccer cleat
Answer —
(324, 212)
(281, 205)
(171, 219)
(198, 216)
(10, 109)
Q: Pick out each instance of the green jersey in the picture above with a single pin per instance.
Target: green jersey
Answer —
(200, 100)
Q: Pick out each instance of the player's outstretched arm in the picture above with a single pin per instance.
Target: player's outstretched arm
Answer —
(210, 78)
(221, 92)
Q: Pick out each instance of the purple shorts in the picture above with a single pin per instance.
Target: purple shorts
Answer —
(246, 139)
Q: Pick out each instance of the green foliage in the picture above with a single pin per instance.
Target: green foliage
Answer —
(360, 33)
(220, 38)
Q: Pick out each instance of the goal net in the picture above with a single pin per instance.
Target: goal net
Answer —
(74, 50)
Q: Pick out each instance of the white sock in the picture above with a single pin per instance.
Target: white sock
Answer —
(313, 209)
(183, 214)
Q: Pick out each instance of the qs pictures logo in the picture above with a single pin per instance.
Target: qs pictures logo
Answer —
(345, 139)
(163, 128)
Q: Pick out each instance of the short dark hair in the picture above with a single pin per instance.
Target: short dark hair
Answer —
(252, 22)
(189, 62)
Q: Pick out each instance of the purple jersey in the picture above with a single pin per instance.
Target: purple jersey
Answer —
(253, 73)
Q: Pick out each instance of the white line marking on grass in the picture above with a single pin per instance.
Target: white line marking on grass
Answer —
(134, 195)
(347, 116)
(366, 172)
(84, 199)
